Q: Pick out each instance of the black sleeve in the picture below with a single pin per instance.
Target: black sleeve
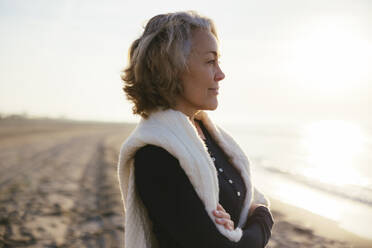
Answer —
(172, 201)
(261, 216)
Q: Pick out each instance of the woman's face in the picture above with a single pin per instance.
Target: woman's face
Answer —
(201, 81)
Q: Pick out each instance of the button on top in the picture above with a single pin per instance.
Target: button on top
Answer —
(220, 169)
(213, 159)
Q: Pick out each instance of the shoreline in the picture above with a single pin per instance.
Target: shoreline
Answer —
(313, 224)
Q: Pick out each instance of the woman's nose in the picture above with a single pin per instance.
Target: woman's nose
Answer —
(219, 74)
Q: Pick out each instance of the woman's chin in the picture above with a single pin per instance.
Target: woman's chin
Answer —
(214, 108)
(211, 106)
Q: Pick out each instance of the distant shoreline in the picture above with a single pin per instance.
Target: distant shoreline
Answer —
(22, 118)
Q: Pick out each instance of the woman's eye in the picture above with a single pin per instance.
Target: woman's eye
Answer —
(213, 61)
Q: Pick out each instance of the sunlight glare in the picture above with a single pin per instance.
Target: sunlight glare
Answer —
(331, 147)
(308, 199)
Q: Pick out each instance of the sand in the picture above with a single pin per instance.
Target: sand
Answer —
(297, 227)
(58, 184)
(58, 188)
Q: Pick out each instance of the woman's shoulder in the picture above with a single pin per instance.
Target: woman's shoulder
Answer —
(152, 154)
(154, 163)
(152, 150)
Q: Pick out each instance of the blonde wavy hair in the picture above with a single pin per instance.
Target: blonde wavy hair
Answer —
(157, 59)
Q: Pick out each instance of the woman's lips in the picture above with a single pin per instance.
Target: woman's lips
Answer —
(214, 90)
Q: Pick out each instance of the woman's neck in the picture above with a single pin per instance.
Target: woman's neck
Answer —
(191, 113)
(187, 110)
(200, 131)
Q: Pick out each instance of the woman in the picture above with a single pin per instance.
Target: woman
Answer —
(184, 181)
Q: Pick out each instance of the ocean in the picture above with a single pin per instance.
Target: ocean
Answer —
(322, 166)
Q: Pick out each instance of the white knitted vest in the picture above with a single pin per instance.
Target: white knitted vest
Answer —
(173, 131)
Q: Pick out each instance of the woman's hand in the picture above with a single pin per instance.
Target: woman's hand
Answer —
(223, 217)
(253, 207)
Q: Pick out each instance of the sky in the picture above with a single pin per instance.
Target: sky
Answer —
(284, 60)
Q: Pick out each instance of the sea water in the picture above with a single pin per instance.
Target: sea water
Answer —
(322, 166)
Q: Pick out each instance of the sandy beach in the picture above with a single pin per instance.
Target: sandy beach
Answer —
(297, 227)
(59, 188)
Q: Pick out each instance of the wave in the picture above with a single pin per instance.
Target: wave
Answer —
(353, 192)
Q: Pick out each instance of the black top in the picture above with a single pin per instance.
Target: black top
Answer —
(178, 214)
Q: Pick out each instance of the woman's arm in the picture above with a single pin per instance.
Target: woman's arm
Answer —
(173, 203)
(261, 216)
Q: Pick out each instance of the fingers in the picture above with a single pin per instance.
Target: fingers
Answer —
(222, 214)
(223, 217)
(229, 224)
(219, 207)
